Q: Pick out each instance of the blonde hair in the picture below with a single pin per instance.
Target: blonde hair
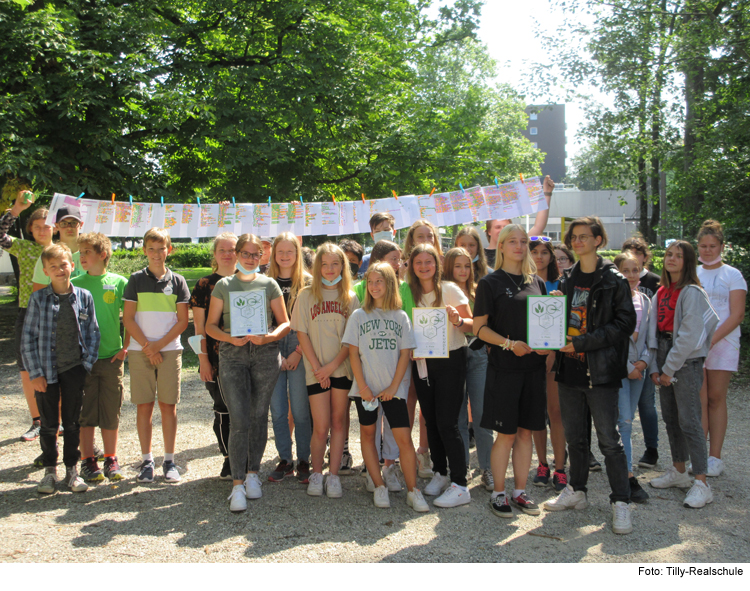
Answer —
(528, 267)
(449, 263)
(59, 250)
(480, 267)
(409, 242)
(157, 235)
(300, 278)
(625, 255)
(229, 236)
(344, 286)
(99, 242)
(392, 299)
(413, 280)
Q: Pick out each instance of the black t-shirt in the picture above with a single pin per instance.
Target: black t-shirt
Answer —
(489, 254)
(503, 297)
(286, 287)
(649, 284)
(576, 365)
(201, 298)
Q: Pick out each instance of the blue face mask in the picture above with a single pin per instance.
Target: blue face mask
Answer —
(475, 259)
(244, 271)
(384, 235)
(331, 283)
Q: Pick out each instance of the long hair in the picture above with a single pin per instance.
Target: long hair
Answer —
(689, 266)
(230, 236)
(392, 299)
(480, 267)
(344, 286)
(300, 278)
(553, 271)
(414, 284)
(449, 263)
(528, 268)
(409, 242)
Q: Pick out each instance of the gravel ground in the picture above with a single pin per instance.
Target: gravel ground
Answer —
(191, 522)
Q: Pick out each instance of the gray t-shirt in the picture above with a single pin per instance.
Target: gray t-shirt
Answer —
(68, 346)
(233, 283)
(380, 336)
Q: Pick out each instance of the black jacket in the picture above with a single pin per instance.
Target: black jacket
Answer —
(610, 320)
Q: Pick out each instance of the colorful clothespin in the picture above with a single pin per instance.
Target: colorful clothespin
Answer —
(269, 200)
(433, 191)
(301, 201)
(394, 194)
(113, 197)
(363, 197)
(462, 188)
(81, 195)
(498, 186)
(162, 201)
(198, 199)
(233, 203)
(521, 175)
(333, 197)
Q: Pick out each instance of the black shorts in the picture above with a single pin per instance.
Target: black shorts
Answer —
(394, 410)
(515, 399)
(342, 383)
(18, 332)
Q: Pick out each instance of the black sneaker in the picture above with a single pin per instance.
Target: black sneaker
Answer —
(303, 472)
(559, 480)
(283, 469)
(500, 507)
(594, 465)
(525, 504)
(90, 470)
(112, 469)
(649, 458)
(542, 475)
(346, 464)
(226, 471)
(33, 432)
(146, 471)
(637, 494)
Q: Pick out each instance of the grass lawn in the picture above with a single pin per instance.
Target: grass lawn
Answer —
(192, 275)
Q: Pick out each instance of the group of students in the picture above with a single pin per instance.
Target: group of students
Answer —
(332, 341)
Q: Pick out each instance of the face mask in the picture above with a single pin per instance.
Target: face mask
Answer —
(331, 283)
(244, 271)
(709, 263)
(475, 259)
(384, 235)
(354, 268)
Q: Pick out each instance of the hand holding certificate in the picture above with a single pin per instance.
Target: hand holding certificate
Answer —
(430, 327)
(247, 313)
(546, 322)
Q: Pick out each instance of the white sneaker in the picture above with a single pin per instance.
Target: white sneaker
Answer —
(488, 481)
(715, 466)
(621, 518)
(47, 485)
(424, 465)
(672, 478)
(333, 487)
(416, 501)
(699, 495)
(369, 484)
(568, 499)
(391, 478)
(437, 485)
(380, 497)
(315, 485)
(237, 498)
(453, 497)
(252, 487)
(74, 481)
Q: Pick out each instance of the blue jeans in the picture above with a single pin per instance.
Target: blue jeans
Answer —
(630, 394)
(574, 400)
(292, 382)
(647, 413)
(476, 373)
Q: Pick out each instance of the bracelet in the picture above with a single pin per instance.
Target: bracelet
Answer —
(508, 344)
(459, 324)
(480, 330)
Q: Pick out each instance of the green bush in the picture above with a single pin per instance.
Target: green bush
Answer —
(185, 256)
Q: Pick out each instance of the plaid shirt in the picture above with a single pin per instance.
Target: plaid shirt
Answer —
(39, 342)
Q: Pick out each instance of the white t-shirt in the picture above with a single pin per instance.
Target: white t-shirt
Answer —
(718, 283)
(380, 337)
(452, 296)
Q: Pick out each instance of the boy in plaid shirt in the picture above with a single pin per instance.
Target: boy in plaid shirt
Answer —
(59, 345)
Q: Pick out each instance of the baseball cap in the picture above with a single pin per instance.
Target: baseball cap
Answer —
(69, 211)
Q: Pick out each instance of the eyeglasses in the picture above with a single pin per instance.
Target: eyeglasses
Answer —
(70, 224)
(563, 260)
(583, 238)
(540, 239)
(250, 255)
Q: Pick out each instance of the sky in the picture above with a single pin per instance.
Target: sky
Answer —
(508, 29)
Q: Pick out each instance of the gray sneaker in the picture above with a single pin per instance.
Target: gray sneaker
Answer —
(170, 471)
(47, 485)
(74, 481)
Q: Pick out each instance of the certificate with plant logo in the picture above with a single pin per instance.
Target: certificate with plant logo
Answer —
(430, 332)
(247, 313)
(547, 322)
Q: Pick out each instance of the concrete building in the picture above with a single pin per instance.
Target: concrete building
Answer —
(546, 130)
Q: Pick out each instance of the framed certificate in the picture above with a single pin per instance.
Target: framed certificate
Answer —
(430, 327)
(547, 322)
(247, 313)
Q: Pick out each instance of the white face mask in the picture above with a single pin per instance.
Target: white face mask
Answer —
(384, 235)
(475, 259)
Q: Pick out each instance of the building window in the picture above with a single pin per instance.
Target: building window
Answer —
(532, 116)
(535, 145)
(532, 131)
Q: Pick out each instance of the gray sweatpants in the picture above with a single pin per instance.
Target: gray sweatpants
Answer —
(681, 410)
(248, 376)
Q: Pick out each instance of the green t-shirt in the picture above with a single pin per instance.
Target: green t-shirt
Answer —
(27, 253)
(359, 289)
(42, 279)
(233, 283)
(107, 292)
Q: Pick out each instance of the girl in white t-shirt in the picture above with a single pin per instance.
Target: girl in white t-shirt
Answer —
(440, 393)
(380, 339)
(726, 289)
(320, 317)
